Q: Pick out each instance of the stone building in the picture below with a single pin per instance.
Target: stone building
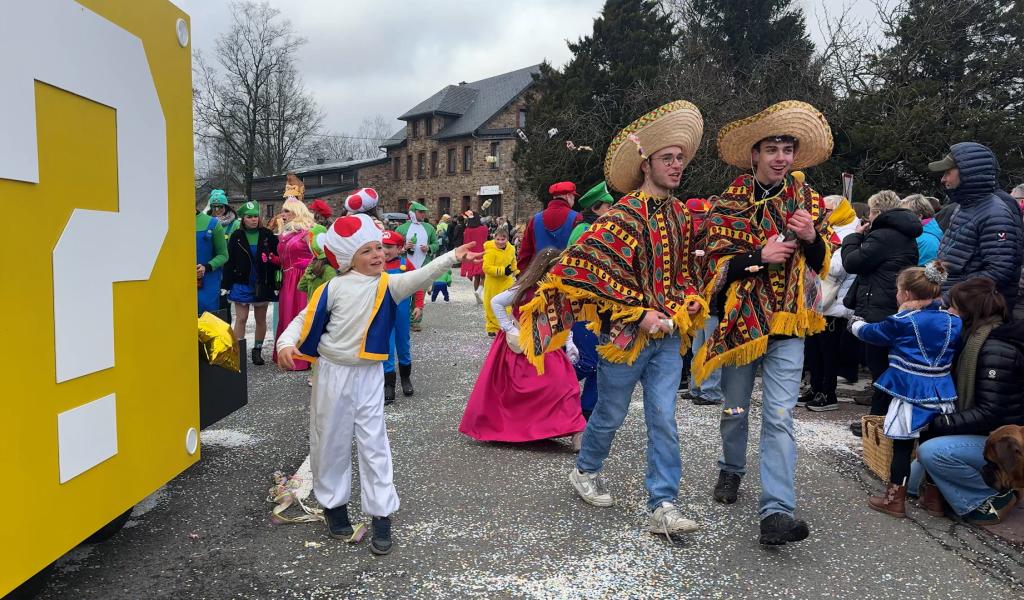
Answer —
(455, 151)
(329, 181)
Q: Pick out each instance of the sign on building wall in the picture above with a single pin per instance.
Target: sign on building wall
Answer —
(490, 190)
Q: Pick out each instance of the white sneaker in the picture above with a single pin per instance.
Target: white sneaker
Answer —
(591, 487)
(478, 293)
(667, 520)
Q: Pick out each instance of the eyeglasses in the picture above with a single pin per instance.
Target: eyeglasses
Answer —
(668, 160)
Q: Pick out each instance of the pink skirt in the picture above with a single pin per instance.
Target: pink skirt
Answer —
(292, 301)
(511, 403)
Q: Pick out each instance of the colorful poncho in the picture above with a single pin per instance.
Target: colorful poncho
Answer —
(776, 301)
(635, 258)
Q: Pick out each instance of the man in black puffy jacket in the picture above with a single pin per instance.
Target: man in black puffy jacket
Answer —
(984, 238)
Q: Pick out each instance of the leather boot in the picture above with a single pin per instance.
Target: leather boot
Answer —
(389, 388)
(404, 371)
(257, 356)
(893, 502)
(931, 500)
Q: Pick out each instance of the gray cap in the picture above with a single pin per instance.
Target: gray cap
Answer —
(945, 164)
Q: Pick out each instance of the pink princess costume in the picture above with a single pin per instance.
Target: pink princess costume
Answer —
(510, 401)
(293, 249)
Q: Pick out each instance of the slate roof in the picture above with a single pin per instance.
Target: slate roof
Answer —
(472, 103)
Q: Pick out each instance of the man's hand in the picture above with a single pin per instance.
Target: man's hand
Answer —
(285, 357)
(200, 271)
(693, 307)
(417, 313)
(409, 247)
(776, 252)
(802, 225)
(462, 253)
(652, 322)
(424, 248)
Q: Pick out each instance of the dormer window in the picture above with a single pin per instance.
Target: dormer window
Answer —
(415, 128)
(430, 126)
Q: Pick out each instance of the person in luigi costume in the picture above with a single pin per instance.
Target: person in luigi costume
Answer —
(250, 275)
(597, 201)
(420, 243)
(222, 211)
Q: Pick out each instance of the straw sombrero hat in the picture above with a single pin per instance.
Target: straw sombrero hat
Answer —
(677, 123)
(791, 117)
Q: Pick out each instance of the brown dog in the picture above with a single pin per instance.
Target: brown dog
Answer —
(1004, 458)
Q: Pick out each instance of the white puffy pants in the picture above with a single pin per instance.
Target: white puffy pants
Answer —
(346, 401)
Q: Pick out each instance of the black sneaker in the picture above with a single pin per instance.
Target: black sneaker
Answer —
(684, 384)
(687, 395)
(856, 429)
(778, 529)
(257, 356)
(702, 401)
(380, 543)
(727, 488)
(993, 510)
(338, 524)
(823, 402)
(805, 398)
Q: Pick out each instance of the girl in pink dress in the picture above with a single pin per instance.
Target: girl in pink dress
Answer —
(477, 234)
(293, 249)
(510, 401)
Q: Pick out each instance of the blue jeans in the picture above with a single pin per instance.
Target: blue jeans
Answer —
(710, 388)
(657, 369)
(953, 463)
(781, 367)
(400, 345)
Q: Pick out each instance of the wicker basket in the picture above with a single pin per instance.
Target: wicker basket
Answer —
(877, 447)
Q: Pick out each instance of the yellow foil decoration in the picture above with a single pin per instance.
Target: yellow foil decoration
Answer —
(219, 344)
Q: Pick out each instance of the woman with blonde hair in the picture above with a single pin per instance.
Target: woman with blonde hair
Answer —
(293, 249)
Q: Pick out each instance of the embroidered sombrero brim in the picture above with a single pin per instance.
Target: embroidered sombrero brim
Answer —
(677, 123)
(791, 117)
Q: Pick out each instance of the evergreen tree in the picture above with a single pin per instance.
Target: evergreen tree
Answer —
(630, 46)
(951, 71)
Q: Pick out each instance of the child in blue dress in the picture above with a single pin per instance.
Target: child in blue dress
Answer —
(922, 340)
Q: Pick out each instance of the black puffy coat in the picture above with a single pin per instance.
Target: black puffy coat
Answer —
(876, 259)
(984, 238)
(998, 387)
(239, 264)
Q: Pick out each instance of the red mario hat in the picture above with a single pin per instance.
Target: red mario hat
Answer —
(321, 208)
(562, 188)
(393, 238)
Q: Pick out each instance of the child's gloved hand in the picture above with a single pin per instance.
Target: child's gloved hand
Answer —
(572, 352)
(508, 270)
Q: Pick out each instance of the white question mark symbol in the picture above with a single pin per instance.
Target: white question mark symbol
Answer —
(91, 57)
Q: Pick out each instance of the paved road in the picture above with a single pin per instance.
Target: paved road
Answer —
(501, 521)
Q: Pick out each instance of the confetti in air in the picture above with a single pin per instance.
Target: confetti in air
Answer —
(522, 135)
(552, 132)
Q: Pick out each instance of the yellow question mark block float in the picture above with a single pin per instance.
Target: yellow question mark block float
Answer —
(100, 390)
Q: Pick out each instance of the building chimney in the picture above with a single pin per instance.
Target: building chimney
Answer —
(462, 83)
(321, 161)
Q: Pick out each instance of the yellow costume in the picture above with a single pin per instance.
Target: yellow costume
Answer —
(495, 279)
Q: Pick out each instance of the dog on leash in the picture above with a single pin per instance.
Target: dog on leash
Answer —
(1004, 458)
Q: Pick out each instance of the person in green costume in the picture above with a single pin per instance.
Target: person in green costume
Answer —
(319, 271)
(420, 242)
(211, 254)
(218, 207)
(594, 203)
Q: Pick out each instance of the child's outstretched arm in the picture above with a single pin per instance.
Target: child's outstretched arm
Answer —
(404, 285)
(883, 333)
(289, 338)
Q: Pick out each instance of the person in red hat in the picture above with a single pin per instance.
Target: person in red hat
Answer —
(396, 262)
(551, 227)
(322, 212)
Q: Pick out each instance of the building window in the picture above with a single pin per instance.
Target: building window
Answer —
(408, 166)
(415, 128)
(521, 118)
(429, 121)
(396, 164)
(467, 158)
(444, 206)
(421, 165)
(433, 163)
(495, 147)
(451, 160)
(311, 180)
(467, 203)
(328, 178)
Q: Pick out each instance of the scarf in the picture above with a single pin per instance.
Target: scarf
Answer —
(776, 301)
(636, 258)
(967, 363)
(843, 214)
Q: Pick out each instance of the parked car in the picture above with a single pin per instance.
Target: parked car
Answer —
(393, 220)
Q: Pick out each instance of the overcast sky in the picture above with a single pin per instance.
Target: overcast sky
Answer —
(369, 57)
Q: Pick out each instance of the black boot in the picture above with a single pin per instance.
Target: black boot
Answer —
(405, 371)
(727, 488)
(389, 388)
(338, 524)
(257, 355)
(380, 543)
(778, 529)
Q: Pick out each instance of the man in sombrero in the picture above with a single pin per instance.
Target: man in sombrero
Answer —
(629, 275)
(767, 252)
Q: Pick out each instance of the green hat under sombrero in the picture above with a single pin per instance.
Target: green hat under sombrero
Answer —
(417, 206)
(596, 194)
(249, 209)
